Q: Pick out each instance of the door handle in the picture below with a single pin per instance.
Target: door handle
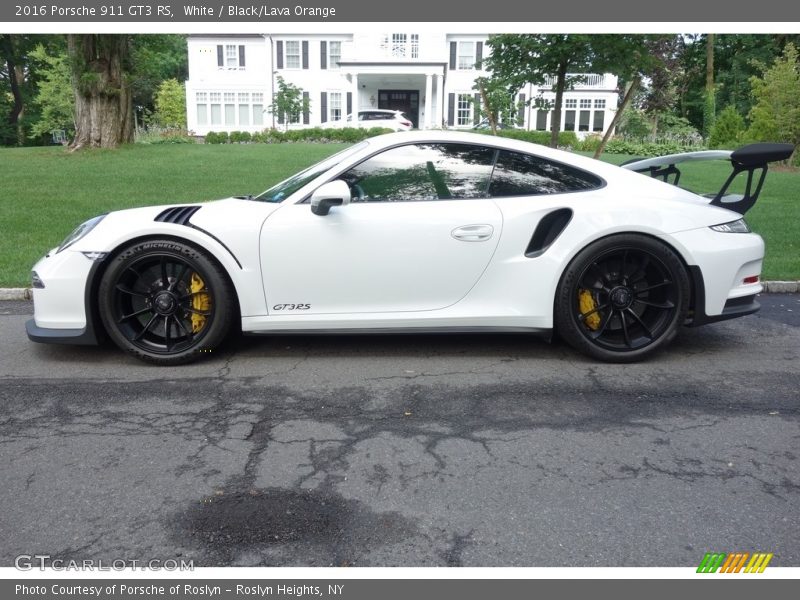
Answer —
(473, 233)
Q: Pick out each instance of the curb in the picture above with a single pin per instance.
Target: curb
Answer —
(770, 287)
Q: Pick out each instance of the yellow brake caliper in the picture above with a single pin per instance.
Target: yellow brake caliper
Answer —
(587, 304)
(201, 301)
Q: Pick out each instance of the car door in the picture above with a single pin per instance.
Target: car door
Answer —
(417, 235)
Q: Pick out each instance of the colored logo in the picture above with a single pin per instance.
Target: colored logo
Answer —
(734, 562)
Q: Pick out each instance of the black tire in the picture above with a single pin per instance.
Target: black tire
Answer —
(166, 302)
(622, 298)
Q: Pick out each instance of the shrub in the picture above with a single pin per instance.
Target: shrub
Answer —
(157, 135)
(566, 139)
(240, 137)
(317, 134)
(648, 149)
(728, 129)
(217, 137)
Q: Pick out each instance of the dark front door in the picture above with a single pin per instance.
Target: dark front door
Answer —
(404, 100)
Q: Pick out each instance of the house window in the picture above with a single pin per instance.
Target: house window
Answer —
(569, 120)
(335, 106)
(570, 103)
(258, 108)
(400, 45)
(464, 109)
(466, 55)
(599, 120)
(215, 99)
(230, 56)
(586, 103)
(201, 99)
(292, 54)
(541, 120)
(334, 54)
(230, 108)
(583, 120)
(244, 108)
(600, 104)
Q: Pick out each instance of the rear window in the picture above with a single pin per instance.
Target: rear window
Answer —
(518, 174)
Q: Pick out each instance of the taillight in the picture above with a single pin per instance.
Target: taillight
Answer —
(751, 279)
(406, 123)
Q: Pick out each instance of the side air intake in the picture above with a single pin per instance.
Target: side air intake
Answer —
(548, 229)
(179, 215)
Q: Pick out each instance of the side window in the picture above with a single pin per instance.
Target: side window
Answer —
(420, 172)
(517, 174)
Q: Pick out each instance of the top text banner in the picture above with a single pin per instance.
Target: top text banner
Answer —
(462, 11)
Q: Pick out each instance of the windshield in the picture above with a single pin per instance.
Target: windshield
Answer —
(280, 191)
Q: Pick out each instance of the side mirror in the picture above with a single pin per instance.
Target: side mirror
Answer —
(333, 193)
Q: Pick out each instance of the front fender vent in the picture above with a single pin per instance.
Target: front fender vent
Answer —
(178, 215)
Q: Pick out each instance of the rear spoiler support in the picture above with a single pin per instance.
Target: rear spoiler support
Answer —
(749, 159)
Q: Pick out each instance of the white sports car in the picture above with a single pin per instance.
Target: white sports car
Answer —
(418, 232)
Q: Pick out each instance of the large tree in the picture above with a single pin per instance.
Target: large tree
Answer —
(101, 82)
(519, 59)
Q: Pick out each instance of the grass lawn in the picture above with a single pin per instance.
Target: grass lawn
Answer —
(46, 192)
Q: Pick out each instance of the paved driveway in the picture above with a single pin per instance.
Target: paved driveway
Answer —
(409, 450)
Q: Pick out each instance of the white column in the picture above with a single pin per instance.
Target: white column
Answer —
(428, 101)
(356, 104)
(440, 98)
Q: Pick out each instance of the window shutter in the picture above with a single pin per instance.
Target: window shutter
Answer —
(451, 109)
(241, 56)
(349, 102)
(305, 55)
(453, 56)
(323, 55)
(521, 113)
(220, 56)
(307, 104)
(476, 110)
(280, 118)
(478, 55)
(279, 52)
(323, 107)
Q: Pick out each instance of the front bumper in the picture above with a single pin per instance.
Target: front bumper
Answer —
(62, 310)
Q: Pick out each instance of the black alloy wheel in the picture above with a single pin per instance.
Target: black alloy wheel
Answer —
(622, 298)
(165, 302)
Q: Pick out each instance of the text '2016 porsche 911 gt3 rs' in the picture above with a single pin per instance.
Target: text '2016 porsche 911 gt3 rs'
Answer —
(420, 231)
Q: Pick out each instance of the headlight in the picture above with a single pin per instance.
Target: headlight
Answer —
(737, 226)
(80, 231)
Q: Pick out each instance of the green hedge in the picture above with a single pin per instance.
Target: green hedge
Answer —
(313, 134)
(647, 149)
(566, 139)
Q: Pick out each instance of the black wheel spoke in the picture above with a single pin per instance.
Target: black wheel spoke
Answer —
(600, 279)
(638, 319)
(623, 269)
(652, 287)
(641, 270)
(164, 278)
(152, 320)
(625, 333)
(126, 290)
(179, 278)
(662, 305)
(603, 325)
(583, 316)
(202, 313)
(182, 327)
(167, 337)
(190, 295)
(124, 318)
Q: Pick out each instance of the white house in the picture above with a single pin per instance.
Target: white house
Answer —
(429, 76)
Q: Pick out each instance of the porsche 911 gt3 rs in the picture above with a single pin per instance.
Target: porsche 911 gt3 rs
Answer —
(419, 231)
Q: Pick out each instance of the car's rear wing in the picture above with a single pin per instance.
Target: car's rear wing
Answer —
(748, 159)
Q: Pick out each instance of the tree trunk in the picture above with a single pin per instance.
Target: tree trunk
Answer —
(103, 105)
(15, 75)
(561, 83)
(490, 115)
(618, 115)
(709, 107)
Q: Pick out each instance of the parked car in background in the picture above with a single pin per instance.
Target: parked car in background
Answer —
(388, 119)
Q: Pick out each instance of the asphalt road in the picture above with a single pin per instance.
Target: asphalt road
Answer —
(408, 450)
